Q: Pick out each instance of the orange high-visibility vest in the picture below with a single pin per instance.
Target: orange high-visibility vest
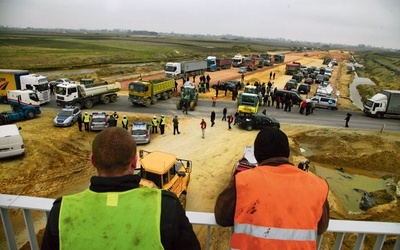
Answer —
(277, 208)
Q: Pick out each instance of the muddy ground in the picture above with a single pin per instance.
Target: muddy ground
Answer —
(57, 159)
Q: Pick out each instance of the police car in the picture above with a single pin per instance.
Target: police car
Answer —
(67, 116)
(98, 121)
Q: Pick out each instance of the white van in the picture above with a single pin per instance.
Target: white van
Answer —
(11, 143)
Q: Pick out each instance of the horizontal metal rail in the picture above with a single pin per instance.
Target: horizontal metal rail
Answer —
(29, 204)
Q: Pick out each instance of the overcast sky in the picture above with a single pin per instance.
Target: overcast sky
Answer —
(353, 22)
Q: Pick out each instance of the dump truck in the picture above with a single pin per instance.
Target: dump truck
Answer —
(24, 104)
(214, 63)
(84, 96)
(188, 68)
(149, 92)
(21, 80)
(165, 171)
(251, 63)
(385, 103)
(189, 96)
(292, 68)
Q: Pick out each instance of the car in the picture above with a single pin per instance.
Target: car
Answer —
(304, 88)
(98, 121)
(309, 81)
(67, 116)
(242, 70)
(257, 121)
(290, 85)
(297, 77)
(141, 132)
(64, 80)
(296, 98)
(230, 85)
(327, 102)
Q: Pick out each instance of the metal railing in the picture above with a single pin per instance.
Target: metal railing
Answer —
(29, 204)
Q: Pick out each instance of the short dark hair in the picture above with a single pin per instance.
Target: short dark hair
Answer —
(113, 150)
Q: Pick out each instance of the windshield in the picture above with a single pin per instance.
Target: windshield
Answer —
(61, 90)
(249, 100)
(137, 87)
(42, 87)
(369, 103)
(170, 68)
(65, 113)
(33, 96)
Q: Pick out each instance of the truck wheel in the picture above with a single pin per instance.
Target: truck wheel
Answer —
(154, 100)
(88, 104)
(106, 100)
(379, 115)
(192, 105)
(78, 105)
(182, 200)
(170, 94)
(165, 96)
(179, 106)
(113, 98)
(147, 102)
(30, 114)
(249, 127)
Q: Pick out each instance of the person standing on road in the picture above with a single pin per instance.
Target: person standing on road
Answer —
(273, 76)
(212, 118)
(214, 100)
(347, 119)
(125, 122)
(270, 75)
(224, 112)
(291, 210)
(236, 117)
(203, 126)
(154, 124)
(115, 212)
(86, 121)
(230, 120)
(175, 121)
(162, 124)
(80, 122)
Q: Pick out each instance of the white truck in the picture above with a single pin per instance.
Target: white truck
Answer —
(71, 94)
(237, 61)
(385, 103)
(188, 68)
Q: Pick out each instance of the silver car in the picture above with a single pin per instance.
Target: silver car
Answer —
(141, 132)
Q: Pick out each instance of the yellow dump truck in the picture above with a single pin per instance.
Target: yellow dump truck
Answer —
(149, 92)
(165, 171)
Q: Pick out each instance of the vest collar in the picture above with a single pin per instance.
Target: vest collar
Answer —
(275, 161)
(114, 184)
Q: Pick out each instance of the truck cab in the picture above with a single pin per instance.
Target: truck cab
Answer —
(376, 106)
(165, 171)
(211, 63)
(37, 83)
(172, 69)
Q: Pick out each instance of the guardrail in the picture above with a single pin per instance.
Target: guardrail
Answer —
(342, 227)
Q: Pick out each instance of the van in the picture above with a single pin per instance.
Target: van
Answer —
(296, 98)
(327, 102)
(11, 143)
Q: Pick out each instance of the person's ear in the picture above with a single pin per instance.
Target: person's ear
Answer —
(134, 162)
(92, 161)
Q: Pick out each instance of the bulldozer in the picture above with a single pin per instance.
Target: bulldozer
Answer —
(165, 171)
(189, 96)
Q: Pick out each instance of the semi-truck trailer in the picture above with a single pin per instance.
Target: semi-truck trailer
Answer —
(71, 94)
(188, 68)
(214, 63)
(24, 104)
(11, 79)
(387, 102)
(149, 92)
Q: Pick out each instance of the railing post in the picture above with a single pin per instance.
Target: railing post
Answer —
(8, 229)
(359, 242)
(30, 228)
(379, 241)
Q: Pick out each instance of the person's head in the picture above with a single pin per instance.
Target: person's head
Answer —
(114, 152)
(270, 143)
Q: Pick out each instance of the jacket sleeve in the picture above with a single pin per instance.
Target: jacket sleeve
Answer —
(224, 209)
(323, 223)
(51, 235)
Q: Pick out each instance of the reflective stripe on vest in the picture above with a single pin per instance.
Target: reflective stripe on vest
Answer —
(86, 118)
(111, 220)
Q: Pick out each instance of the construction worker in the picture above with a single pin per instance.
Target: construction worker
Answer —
(162, 124)
(115, 115)
(86, 121)
(154, 123)
(290, 211)
(125, 122)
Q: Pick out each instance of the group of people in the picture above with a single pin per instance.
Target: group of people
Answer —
(115, 212)
(111, 121)
(158, 123)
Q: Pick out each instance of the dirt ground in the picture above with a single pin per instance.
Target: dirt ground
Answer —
(57, 159)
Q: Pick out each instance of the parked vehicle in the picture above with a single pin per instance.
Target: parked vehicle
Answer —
(292, 68)
(298, 77)
(64, 80)
(229, 85)
(165, 171)
(141, 132)
(251, 63)
(267, 59)
(24, 105)
(304, 88)
(327, 102)
(149, 92)
(279, 58)
(22, 80)
(214, 63)
(248, 103)
(296, 98)
(290, 85)
(78, 95)
(189, 96)
(11, 142)
(237, 61)
(309, 81)
(98, 121)
(387, 102)
(242, 70)
(67, 116)
(257, 121)
(188, 68)
(320, 78)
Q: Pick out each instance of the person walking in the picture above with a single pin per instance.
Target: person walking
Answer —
(214, 100)
(154, 124)
(212, 118)
(224, 112)
(302, 107)
(125, 122)
(203, 126)
(80, 122)
(292, 206)
(175, 121)
(230, 120)
(347, 119)
(162, 124)
(86, 121)
(115, 211)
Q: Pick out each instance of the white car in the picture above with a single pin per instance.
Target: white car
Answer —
(64, 80)
(242, 70)
(67, 116)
